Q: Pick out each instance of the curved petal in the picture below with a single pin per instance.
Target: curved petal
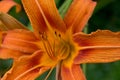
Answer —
(26, 68)
(7, 22)
(43, 13)
(98, 47)
(72, 73)
(78, 14)
(9, 53)
(6, 5)
(2, 26)
(20, 40)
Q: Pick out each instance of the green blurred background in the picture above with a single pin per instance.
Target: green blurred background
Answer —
(106, 16)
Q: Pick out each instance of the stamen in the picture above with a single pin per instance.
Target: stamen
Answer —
(50, 47)
(44, 36)
(59, 35)
(47, 46)
(55, 33)
(54, 47)
(63, 51)
(50, 54)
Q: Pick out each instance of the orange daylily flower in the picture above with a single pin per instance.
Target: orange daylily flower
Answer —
(6, 5)
(57, 43)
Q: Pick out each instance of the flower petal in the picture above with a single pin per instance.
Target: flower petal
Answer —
(2, 26)
(9, 53)
(7, 22)
(20, 40)
(78, 14)
(26, 68)
(43, 13)
(30, 67)
(98, 47)
(72, 73)
(6, 5)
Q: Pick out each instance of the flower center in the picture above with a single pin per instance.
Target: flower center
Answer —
(56, 45)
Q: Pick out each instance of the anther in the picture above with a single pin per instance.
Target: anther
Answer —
(55, 33)
(59, 35)
(43, 35)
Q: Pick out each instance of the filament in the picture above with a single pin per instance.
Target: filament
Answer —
(47, 46)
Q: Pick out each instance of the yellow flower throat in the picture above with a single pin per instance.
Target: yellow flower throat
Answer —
(58, 46)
